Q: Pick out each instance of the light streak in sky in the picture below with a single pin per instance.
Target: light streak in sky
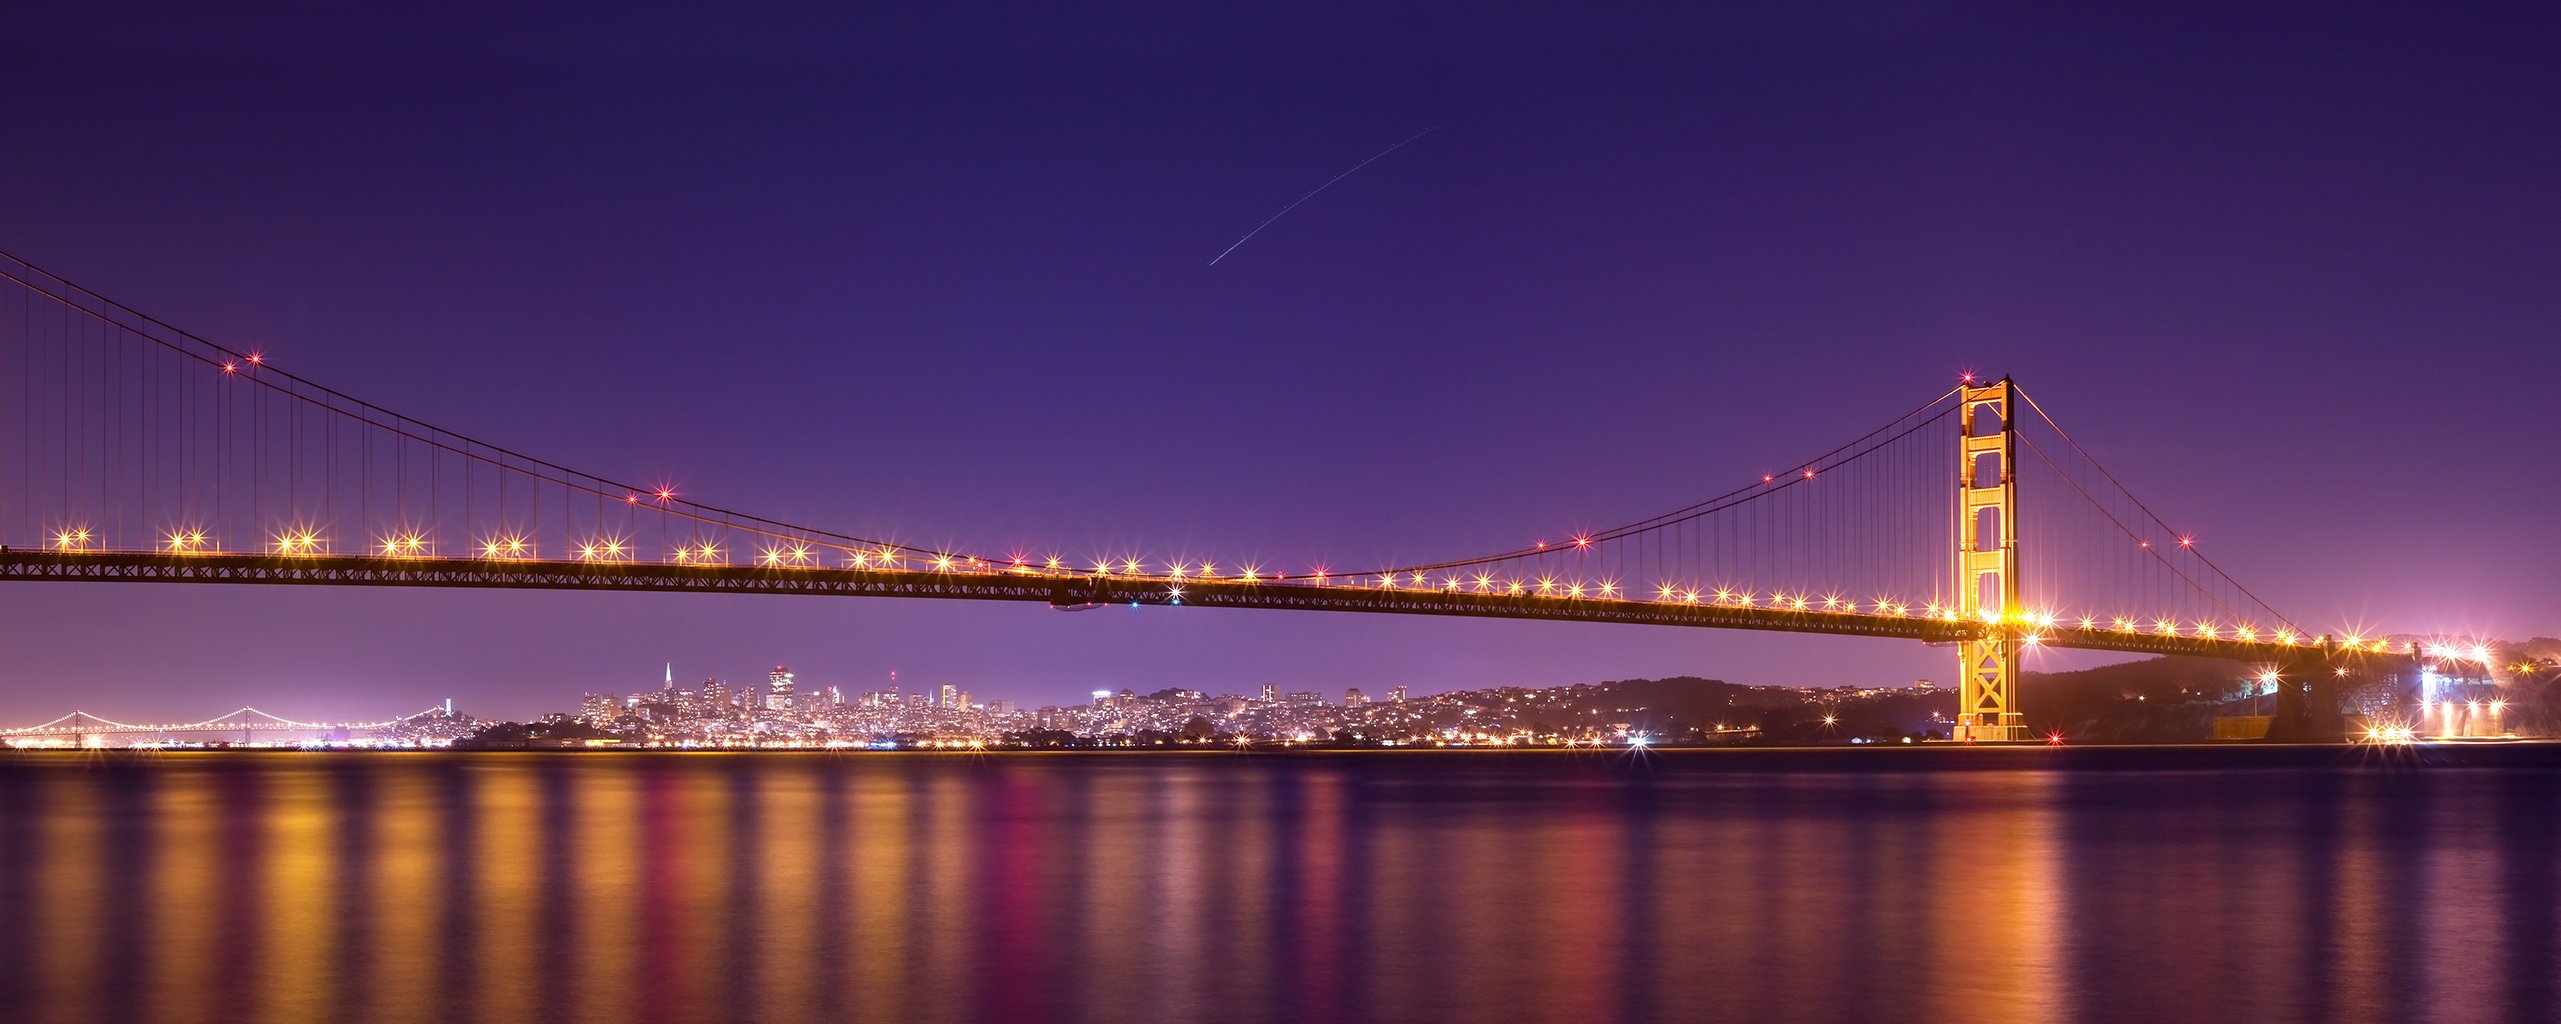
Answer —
(1311, 194)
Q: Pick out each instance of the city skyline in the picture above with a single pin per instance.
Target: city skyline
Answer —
(781, 687)
(530, 703)
(1604, 287)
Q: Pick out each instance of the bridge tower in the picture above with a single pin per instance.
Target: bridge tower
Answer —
(1987, 564)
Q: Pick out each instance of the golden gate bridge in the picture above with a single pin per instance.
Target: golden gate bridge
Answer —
(149, 454)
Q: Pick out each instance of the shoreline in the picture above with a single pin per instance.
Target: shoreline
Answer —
(2522, 753)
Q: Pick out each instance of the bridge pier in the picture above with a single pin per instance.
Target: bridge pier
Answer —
(2305, 687)
(2308, 689)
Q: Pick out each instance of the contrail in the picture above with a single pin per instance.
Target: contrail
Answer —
(1311, 194)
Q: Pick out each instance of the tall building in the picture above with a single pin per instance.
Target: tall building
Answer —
(599, 708)
(1353, 698)
(964, 701)
(1397, 695)
(1271, 693)
(778, 689)
(950, 696)
(714, 693)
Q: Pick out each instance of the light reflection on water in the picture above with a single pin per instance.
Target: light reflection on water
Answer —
(567, 887)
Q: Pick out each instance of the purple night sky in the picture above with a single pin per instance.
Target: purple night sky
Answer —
(940, 274)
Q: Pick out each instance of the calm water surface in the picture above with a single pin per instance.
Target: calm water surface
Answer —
(1886, 885)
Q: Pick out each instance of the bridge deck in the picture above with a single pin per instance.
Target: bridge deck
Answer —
(1067, 590)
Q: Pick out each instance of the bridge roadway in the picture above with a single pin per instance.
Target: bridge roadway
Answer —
(1069, 590)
